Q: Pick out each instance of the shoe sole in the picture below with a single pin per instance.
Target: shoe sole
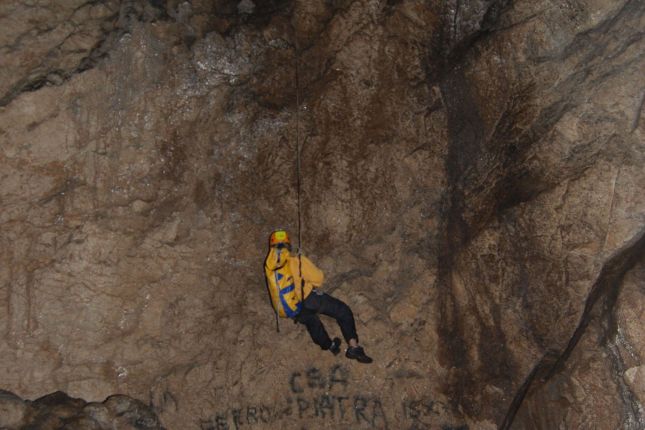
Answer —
(361, 360)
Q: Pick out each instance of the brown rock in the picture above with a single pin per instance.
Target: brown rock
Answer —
(471, 185)
(12, 410)
(57, 411)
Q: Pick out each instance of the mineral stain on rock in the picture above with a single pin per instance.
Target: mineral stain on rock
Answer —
(471, 184)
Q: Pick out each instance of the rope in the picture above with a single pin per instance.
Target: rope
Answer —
(298, 166)
(298, 174)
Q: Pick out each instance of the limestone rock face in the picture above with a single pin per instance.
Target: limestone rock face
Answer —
(471, 185)
(58, 410)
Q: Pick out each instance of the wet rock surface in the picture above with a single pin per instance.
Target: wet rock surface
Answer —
(472, 177)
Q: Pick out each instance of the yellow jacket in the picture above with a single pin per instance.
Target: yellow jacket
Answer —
(313, 276)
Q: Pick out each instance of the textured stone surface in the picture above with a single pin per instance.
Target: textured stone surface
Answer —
(12, 410)
(59, 411)
(472, 177)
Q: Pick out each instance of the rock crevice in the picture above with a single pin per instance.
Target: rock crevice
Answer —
(599, 305)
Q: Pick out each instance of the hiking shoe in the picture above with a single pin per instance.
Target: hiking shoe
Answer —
(357, 353)
(335, 346)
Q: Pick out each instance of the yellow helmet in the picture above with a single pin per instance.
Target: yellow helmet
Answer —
(278, 237)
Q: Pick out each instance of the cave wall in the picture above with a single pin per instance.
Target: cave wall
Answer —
(471, 186)
(546, 197)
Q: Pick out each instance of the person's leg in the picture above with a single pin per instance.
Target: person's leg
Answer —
(343, 315)
(316, 329)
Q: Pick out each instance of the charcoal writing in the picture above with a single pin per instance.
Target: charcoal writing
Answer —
(315, 379)
(236, 418)
(363, 411)
(326, 395)
(420, 408)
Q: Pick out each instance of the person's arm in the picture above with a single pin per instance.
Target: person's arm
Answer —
(311, 273)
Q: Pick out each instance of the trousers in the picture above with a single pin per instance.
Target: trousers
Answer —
(322, 303)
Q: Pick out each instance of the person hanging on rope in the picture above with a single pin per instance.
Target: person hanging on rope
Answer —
(293, 277)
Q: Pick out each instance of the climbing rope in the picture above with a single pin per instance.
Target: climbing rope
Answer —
(298, 175)
(298, 167)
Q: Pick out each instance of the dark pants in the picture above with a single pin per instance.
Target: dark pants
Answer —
(321, 303)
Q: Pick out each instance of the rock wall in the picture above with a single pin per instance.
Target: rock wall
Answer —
(546, 213)
(471, 186)
(58, 410)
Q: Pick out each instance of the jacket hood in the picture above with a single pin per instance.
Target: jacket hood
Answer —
(276, 259)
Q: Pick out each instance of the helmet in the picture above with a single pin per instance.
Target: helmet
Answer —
(279, 237)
